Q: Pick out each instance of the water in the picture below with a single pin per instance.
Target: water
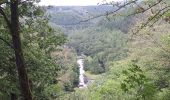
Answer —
(82, 84)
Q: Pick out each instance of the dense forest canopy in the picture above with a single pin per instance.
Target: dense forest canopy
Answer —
(124, 47)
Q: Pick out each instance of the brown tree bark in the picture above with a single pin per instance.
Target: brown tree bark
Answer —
(20, 63)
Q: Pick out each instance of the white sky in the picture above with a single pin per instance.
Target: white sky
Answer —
(72, 2)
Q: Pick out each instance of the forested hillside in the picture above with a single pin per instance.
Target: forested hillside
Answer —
(77, 17)
(92, 37)
(142, 70)
(129, 60)
(112, 51)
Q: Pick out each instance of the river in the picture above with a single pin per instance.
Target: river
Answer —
(82, 83)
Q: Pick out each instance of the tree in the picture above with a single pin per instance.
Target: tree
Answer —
(13, 25)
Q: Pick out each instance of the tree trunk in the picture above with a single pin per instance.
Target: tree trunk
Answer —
(22, 74)
(13, 96)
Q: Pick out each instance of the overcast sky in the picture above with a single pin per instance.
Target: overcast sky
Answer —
(72, 2)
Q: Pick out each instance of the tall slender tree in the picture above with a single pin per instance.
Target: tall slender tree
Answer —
(23, 78)
(14, 28)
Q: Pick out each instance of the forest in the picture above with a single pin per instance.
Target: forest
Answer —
(110, 51)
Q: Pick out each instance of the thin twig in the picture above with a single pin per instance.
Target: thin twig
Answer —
(155, 16)
(109, 13)
(159, 17)
(5, 17)
(10, 45)
(105, 14)
(142, 11)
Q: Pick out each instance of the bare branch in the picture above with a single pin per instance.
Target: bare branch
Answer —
(158, 14)
(107, 13)
(119, 8)
(7, 42)
(112, 12)
(142, 11)
(159, 17)
(5, 17)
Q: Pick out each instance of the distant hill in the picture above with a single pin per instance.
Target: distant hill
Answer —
(68, 17)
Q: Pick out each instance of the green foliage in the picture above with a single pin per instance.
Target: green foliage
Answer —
(163, 95)
(135, 79)
(125, 80)
(118, 22)
(52, 69)
(39, 42)
(69, 71)
(53, 91)
(101, 45)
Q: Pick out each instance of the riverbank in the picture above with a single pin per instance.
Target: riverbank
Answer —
(85, 78)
